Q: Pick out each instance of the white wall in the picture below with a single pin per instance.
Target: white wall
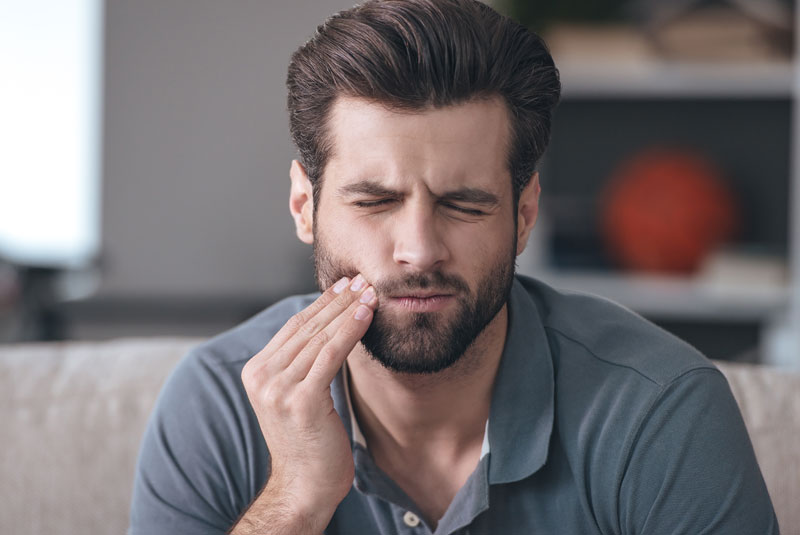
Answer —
(197, 151)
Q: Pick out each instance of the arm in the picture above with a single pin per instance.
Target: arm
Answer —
(692, 468)
(288, 384)
(199, 463)
(204, 454)
(271, 512)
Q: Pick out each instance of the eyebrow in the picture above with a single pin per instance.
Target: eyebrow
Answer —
(366, 187)
(467, 195)
(472, 196)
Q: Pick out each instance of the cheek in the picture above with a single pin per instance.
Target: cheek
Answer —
(361, 243)
(482, 257)
(481, 244)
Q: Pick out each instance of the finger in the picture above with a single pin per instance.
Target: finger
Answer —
(301, 318)
(301, 364)
(261, 362)
(322, 319)
(324, 367)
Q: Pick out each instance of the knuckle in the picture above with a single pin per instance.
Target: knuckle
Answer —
(249, 375)
(298, 320)
(320, 339)
(278, 356)
(344, 299)
(275, 398)
(309, 329)
(327, 355)
(351, 328)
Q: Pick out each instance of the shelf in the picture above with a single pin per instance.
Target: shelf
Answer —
(664, 79)
(668, 297)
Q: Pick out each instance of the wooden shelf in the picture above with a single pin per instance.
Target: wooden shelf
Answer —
(664, 79)
(682, 298)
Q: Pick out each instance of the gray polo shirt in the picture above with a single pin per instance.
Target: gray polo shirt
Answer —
(600, 423)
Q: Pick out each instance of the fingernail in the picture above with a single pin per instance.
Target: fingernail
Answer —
(340, 286)
(367, 296)
(361, 312)
(357, 283)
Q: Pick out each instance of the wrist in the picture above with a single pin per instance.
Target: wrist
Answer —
(303, 497)
(280, 510)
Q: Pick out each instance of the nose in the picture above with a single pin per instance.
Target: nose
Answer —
(419, 244)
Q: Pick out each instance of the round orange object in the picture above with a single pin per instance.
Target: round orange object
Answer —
(665, 209)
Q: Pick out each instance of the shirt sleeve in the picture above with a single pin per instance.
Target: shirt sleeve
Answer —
(202, 458)
(692, 469)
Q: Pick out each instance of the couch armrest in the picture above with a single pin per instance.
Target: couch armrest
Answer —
(770, 403)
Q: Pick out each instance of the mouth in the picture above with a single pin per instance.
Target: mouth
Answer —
(420, 301)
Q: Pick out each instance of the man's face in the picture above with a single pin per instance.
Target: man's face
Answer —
(421, 204)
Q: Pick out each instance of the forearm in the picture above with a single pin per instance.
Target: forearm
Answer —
(273, 514)
(277, 512)
(288, 385)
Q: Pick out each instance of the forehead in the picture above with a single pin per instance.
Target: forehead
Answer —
(451, 146)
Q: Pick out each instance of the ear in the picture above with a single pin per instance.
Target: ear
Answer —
(527, 211)
(301, 203)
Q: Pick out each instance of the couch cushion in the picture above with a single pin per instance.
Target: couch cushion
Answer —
(72, 417)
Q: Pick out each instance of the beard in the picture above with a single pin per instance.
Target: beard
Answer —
(426, 342)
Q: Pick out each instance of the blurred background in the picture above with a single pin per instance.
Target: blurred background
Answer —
(145, 156)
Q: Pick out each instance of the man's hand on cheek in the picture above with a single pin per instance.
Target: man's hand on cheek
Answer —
(288, 385)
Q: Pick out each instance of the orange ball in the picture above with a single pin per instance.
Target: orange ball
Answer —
(665, 209)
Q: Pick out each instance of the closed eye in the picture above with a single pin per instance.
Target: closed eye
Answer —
(450, 206)
(468, 211)
(372, 204)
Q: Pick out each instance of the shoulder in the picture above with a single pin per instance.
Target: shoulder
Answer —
(612, 370)
(211, 371)
(202, 459)
(639, 413)
(207, 381)
(234, 347)
(591, 328)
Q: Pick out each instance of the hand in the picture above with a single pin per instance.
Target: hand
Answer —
(288, 384)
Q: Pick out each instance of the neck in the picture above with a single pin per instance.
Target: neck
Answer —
(439, 414)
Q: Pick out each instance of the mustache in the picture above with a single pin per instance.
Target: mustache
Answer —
(328, 270)
(422, 281)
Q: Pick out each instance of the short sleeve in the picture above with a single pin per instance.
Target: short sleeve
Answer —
(692, 469)
(202, 459)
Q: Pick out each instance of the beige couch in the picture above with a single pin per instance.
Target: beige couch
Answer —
(72, 414)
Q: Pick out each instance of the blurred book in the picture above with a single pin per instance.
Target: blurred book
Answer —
(707, 34)
(720, 34)
(588, 43)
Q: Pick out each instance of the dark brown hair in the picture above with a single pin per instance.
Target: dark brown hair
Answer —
(416, 54)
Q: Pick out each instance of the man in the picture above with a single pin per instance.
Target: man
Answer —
(428, 389)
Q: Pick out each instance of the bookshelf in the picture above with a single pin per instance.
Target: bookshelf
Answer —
(765, 95)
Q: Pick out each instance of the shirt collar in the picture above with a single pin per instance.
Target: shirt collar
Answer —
(521, 416)
(356, 436)
(522, 411)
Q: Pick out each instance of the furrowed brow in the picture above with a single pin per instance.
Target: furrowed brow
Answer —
(472, 196)
(366, 187)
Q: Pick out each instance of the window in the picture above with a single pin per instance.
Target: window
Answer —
(50, 104)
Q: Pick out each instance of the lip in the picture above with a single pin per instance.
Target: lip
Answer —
(421, 302)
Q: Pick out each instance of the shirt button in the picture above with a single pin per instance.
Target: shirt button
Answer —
(411, 519)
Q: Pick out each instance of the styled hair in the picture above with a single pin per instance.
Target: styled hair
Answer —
(414, 55)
